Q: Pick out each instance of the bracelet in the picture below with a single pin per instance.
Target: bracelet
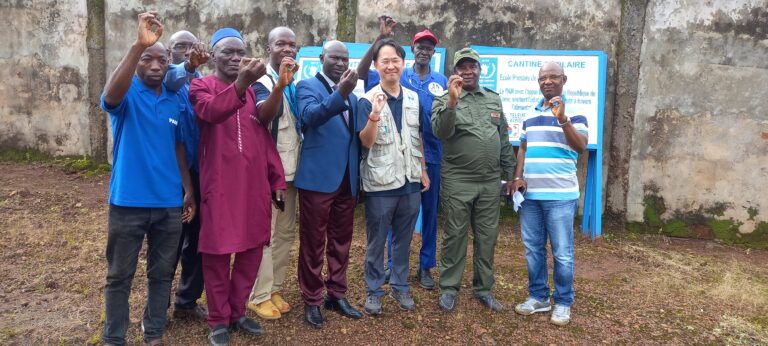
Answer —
(567, 120)
(374, 120)
(517, 178)
(423, 168)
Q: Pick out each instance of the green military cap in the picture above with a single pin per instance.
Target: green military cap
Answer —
(465, 53)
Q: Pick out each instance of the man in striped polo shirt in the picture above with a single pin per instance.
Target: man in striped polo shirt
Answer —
(550, 144)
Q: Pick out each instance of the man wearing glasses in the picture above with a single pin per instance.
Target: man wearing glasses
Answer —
(550, 144)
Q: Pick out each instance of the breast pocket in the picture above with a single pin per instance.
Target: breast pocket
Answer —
(493, 113)
(412, 117)
(383, 135)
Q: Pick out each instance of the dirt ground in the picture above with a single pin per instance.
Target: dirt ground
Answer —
(634, 289)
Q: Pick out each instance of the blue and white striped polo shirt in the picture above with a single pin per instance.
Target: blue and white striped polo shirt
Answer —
(550, 163)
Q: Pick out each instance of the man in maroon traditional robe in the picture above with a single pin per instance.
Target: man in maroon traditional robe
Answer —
(240, 169)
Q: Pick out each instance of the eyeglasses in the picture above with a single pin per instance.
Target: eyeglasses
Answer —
(181, 47)
(552, 77)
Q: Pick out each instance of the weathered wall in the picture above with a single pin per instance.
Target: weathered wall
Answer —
(43, 69)
(699, 165)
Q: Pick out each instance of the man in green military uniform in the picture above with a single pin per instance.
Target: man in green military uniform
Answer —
(476, 155)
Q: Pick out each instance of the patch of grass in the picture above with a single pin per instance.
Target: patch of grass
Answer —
(654, 208)
(84, 165)
(677, 228)
(31, 155)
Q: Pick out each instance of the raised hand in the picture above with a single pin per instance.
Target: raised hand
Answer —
(455, 83)
(146, 36)
(199, 55)
(251, 69)
(348, 82)
(378, 101)
(288, 68)
(386, 26)
(557, 106)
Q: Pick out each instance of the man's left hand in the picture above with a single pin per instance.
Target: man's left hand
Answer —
(557, 106)
(425, 181)
(278, 198)
(190, 208)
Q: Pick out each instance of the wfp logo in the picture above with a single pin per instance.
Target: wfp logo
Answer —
(489, 66)
(310, 68)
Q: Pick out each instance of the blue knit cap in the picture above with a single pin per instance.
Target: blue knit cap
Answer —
(224, 33)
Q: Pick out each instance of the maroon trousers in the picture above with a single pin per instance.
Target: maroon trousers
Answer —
(226, 293)
(326, 221)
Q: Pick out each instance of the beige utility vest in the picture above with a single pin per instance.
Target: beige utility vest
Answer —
(288, 140)
(394, 157)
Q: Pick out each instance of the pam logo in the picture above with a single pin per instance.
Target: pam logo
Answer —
(310, 68)
(488, 73)
(173, 121)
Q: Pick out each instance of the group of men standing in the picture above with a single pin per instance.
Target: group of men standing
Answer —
(213, 170)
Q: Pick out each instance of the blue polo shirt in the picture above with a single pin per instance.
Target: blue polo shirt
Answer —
(145, 129)
(395, 104)
(434, 84)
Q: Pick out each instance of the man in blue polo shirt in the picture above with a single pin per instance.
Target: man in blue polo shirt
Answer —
(145, 190)
(550, 143)
(427, 84)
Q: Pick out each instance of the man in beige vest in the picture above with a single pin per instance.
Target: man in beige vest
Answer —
(276, 94)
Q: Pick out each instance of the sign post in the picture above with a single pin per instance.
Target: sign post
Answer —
(513, 73)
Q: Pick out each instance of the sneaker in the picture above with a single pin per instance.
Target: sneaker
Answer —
(198, 313)
(266, 310)
(373, 305)
(447, 301)
(561, 315)
(219, 336)
(404, 299)
(532, 306)
(490, 302)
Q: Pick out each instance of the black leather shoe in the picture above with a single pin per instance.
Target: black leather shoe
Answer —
(219, 336)
(313, 316)
(425, 279)
(249, 326)
(343, 307)
(447, 301)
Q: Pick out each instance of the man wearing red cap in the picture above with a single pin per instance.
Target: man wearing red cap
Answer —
(427, 84)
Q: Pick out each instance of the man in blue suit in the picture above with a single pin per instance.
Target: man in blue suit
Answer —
(327, 179)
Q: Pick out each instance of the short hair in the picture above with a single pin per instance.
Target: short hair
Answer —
(388, 42)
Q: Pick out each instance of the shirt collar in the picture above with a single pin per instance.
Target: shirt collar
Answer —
(392, 98)
(541, 103)
(480, 91)
(411, 71)
(330, 82)
(144, 88)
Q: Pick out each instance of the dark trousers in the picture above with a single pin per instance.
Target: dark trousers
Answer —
(326, 222)
(397, 214)
(126, 230)
(190, 286)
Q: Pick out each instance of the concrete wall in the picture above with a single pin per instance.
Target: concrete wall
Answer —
(688, 77)
(698, 155)
(43, 69)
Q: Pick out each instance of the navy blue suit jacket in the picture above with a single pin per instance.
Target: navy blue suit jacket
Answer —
(330, 146)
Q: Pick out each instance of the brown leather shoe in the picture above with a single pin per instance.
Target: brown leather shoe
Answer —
(156, 342)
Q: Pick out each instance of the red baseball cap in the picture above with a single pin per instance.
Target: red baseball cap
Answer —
(426, 34)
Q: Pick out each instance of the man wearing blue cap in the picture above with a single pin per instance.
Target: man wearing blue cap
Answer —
(239, 170)
(471, 123)
(145, 192)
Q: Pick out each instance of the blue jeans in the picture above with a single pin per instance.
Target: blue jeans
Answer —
(554, 220)
(381, 213)
(126, 230)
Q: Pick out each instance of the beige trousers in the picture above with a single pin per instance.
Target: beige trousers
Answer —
(274, 262)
